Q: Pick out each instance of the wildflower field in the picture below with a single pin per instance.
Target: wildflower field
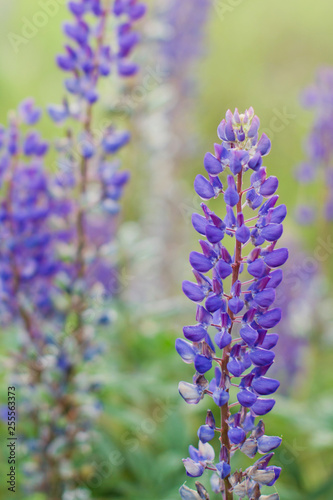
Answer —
(166, 248)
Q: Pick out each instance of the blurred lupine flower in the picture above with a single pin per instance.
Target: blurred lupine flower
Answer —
(57, 239)
(88, 56)
(174, 43)
(238, 291)
(318, 145)
(301, 298)
(184, 25)
(32, 217)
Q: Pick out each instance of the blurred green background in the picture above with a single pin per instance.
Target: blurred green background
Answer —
(256, 53)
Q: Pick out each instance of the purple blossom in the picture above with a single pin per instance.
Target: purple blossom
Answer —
(251, 275)
(56, 231)
(318, 145)
(88, 57)
(28, 257)
(184, 22)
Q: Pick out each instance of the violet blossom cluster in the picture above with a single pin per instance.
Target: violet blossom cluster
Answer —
(175, 40)
(235, 290)
(31, 217)
(57, 234)
(185, 26)
(318, 146)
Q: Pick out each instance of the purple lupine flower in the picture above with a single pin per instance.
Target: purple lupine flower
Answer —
(175, 42)
(28, 257)
(301, 297)
(85, 161)
(184, 22)
(235, 291)
(51, 239)
(318, 146)
(88, 56)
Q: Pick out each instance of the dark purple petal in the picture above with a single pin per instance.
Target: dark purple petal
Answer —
(261, 357)
(216, 184)
(268, 443)
(249, 335)
(243, 234)
(246, 380)
(206, 433)
(231, 196)
(230, 219)
(199, 262)
(263, 406)
(275, 278)
(270, 203)
(254, 127)
(270, 341)
(265, 298)
(185, 350)
(193, 291)
(246, 398)
(202, 364)
(255, 162)
(223, 469)
(212, 164)
(195, 333)
(214, 234)
(210, 420)
(276, 258)
(203, 316)
(272, 232)
(207, 249)
(264, 145)
(236, 435)
(199, 223)
(269, 186)
(194, 453)
(229, 132)
(236, 305)
(237, 160)
(235, 367)
(253, 199)
(220, 397)
(270, 318)
(203, 188)
(248, 424)
(265, 386)
(213, 303)
(278, 214)
(222, 339)
(224, 269)
(257, 268)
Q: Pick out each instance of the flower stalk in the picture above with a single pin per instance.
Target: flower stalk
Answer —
(246, 308)
(51, 239)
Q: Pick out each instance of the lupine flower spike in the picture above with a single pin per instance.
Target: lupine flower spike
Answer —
(318, 146)
(56, 234)
(235, 290)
